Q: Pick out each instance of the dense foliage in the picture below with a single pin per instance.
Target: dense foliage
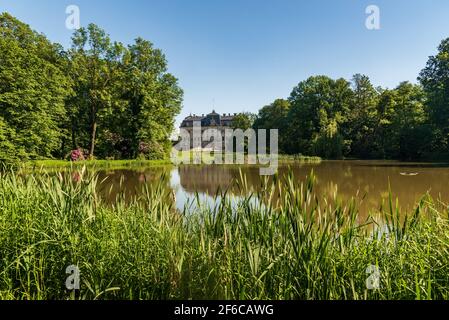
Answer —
(99, 97)
(112, 101)
(339, 118)
(33, 89)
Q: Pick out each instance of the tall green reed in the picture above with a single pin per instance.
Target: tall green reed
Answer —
(282, 242)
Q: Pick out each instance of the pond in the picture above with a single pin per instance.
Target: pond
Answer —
(368, 181)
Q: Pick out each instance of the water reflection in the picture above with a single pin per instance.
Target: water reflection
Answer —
(368, 180)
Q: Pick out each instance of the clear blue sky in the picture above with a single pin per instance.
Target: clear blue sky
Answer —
(243, 54)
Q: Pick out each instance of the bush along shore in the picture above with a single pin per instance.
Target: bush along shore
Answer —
(290, 244)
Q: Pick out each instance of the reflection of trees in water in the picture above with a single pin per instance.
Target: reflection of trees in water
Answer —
(207, 179)
(131, 183)
(374, 178)
(350, 179)
(347, 178)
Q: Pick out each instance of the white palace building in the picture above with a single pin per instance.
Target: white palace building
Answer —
(219, 122)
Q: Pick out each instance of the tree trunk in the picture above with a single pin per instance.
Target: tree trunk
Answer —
(92, 140)
(74, 144)
(61, 153)
(93, 133)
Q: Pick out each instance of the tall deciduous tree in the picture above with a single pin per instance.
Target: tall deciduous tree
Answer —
(243, 121)
(401, 123)
(410, 123)
(153, 99)
(319, 107)
(435, 80)
(33, 90)
(363, 117)
(95, 68)
(116, 101)
(275, 116)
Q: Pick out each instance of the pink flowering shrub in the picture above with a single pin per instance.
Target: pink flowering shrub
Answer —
(77, 155)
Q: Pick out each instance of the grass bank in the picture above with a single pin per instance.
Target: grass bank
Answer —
(295, 247)
(100, 164)
(124, 164)
(300, 158)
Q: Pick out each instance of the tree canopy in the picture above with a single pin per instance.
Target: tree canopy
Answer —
(102, 97)
(354, 119)
(105, 99)
(33, 90)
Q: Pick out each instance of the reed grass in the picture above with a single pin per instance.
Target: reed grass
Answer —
(288, 244)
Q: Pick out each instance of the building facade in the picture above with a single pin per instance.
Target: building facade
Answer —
(219, 122)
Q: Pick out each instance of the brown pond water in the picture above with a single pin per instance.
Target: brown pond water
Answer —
(366, 179)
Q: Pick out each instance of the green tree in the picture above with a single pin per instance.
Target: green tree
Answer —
(33, 90)
(126, 100)
(8, 150)
(275, 116)
(153, 99)
(362, 118)
(435, 81)
(385, 129)
(95, 69)
(408, 136)
(319, 107)
(244, 121)
(116, 101)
